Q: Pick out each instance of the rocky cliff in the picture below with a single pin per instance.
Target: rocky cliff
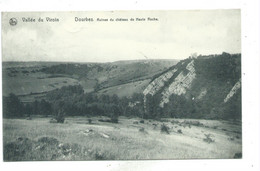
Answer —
(180, 85)
(233, 91)
(206, 84)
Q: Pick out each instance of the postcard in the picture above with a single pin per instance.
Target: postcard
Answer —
(121, 85)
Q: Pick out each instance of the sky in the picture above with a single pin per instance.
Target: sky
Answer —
(176, 35)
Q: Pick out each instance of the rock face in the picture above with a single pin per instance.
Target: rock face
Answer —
(180, 84)
(234, 89)
(203, 92)
(158, 83)
(203, 84)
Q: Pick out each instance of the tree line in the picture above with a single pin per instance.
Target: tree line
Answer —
(72, 101)
(216, 73)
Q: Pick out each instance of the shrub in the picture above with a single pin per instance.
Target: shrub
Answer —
(175, 122)
(60, 118)
(238, 156)
(114, 120)
(99, 155)
(208, 138)
(165, 129)
(102, 155)
(48, 140)
(164, 120)
(179, 131)
(18, 150)
(195, 123)
(104, 120)
(141, 121)
(154, 126)
(142, 130)
(231, 138)
(135, 122)
(53, 120)
(89, 121)
(29, 118)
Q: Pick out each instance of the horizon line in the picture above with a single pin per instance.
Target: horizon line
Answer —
(99, 62)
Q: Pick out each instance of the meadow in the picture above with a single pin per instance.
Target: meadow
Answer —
(84, 138)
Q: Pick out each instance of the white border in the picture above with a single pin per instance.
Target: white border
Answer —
(250, 82)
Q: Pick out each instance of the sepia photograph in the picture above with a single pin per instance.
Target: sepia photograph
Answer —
(121, 85)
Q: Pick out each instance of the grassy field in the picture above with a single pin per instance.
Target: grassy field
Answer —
(25, 82)
(78, 139)
(28, 78)
(127, 89)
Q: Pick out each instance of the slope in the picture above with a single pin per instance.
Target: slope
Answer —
(202, 87)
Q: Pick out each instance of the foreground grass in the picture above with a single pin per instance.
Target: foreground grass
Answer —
(38, 139)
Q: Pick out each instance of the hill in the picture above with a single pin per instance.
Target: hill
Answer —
(206, 87)
(32, 80)
(135, 109)
(202, 87)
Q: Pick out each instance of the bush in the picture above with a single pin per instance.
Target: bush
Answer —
(165, 129)
(60, 117)
(179, 131)
(208, 138)
(48, 140)
(163, 120)
(18, 150)
(29, 118)
(142, 130)
(194, 123)
(231, 138)
(238, 156)
(114, 120)
(175, 122)
(89, 121)
(141, 121)
(53, 120)
(104, 120)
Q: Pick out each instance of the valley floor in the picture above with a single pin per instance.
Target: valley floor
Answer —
(77, 139)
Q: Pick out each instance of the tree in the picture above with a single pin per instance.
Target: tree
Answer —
(115, 99)
(152, 108)
(35, 107)
(28, 110)
(59, 113)
(45, 107)
(12, 106)
(115, 114)
(123, 105)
